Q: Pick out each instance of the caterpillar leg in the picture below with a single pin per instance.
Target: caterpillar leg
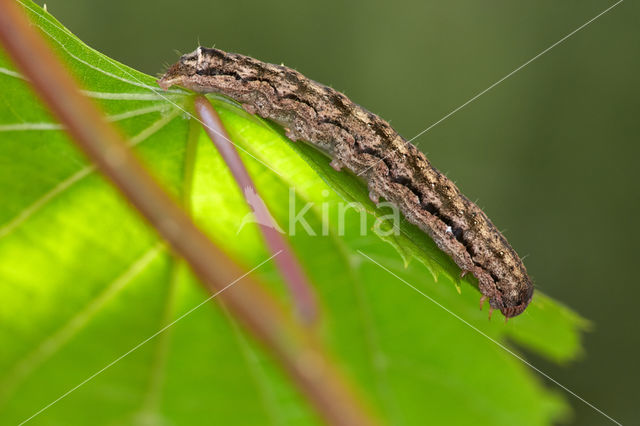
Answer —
(291, 134)
(482, 300)
(249, 108)
(336, 165)
(374, 197)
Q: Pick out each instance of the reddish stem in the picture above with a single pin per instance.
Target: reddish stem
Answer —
(290, 268)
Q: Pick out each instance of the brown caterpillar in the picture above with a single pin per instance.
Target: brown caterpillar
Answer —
(368, 146)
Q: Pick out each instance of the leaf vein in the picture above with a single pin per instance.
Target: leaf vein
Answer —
(63, 335)
(29, 211)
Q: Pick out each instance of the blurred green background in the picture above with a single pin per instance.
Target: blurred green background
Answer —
(549, 153)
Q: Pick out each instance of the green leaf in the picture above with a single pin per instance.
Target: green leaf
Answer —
(85, 280)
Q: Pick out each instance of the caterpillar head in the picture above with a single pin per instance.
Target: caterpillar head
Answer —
(202, 61)
(514, 303)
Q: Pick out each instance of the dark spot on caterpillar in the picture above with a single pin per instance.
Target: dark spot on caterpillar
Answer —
(430, 208)
(407, 183)
(457, 232)
(375, 153)
(291, 76)
(262, 80)
(213, 52)
(339, 125)
(213, 72)
(337, 100)
(296, 98)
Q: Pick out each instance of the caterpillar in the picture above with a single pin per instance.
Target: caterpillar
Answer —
(366, 145)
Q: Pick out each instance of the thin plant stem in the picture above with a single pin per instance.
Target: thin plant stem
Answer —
(288, 264)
